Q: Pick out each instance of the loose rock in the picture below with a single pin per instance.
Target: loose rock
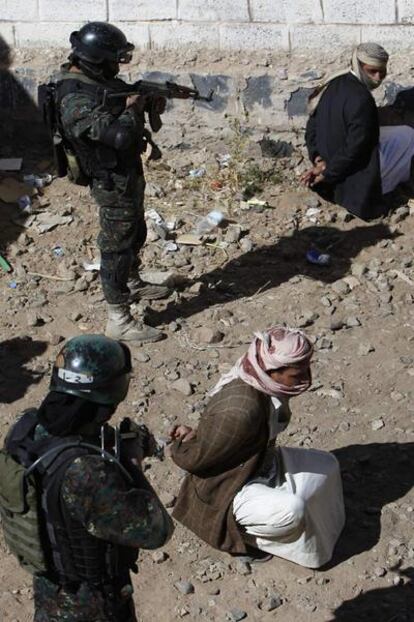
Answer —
(207, 335)
(184, 587)
(182, 386)
(235, 615)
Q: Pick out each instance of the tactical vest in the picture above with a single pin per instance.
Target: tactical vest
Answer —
(79, 159)
(82, 158)
(37, 527)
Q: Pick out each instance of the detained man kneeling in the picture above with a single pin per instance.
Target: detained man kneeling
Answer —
(244, 495)
(355, 161)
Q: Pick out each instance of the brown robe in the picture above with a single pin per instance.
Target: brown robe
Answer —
(230, 444)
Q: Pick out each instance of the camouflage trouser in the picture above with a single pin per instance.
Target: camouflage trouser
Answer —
(54, 603)
(123, 230)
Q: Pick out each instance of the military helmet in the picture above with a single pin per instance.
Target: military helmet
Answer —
(93, 367)
(97, 42)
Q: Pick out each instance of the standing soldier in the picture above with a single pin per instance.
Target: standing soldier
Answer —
(74, 511)
(103, 146)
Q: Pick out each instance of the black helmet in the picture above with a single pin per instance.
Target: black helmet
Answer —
(93, 367)
(97, 42)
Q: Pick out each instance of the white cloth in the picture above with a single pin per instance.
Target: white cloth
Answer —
(396, 151)
(278, 419)
(299, 514)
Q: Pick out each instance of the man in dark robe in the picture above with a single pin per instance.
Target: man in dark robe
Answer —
(343, 138)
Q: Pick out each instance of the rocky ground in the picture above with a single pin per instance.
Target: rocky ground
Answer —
(248, 274)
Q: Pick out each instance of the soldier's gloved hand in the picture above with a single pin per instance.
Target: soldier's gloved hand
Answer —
(137, 442)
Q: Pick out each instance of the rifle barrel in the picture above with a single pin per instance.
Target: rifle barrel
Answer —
(161, 90)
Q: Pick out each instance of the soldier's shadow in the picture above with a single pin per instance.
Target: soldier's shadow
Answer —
(22, 129)
(269, 266)
(23, 134)
(390, 604)
(374, 475)
(15, 376)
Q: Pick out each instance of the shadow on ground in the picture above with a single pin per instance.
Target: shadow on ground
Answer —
(270, 266)
(390, 604)
(22, 129)
(15, 377)
(23, 134)
(374, 475)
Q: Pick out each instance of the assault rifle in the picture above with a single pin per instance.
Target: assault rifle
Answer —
(130, 431)
(152, 90)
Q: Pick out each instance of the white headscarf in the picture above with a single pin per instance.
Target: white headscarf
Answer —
(365, 53)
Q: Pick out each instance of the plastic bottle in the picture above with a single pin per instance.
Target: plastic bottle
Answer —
(197, 172)
(38, 181)
(25, 204)
(208, 223)
(317, 258)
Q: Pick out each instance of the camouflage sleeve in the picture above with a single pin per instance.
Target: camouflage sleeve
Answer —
(82, 117)
(96, 494)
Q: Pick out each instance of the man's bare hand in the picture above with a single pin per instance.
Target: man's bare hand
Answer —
(182, 433)
(307, 178)
(314, 175)
(137, 101)
(318, 179)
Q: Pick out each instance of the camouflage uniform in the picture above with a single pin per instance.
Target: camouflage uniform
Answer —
(95, 494)
(117, 181)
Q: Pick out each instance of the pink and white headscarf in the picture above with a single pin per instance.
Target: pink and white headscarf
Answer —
(273, 349)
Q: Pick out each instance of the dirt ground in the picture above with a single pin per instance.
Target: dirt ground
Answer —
(360, 313)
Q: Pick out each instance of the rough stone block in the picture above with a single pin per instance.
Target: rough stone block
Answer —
(356, 12)
(142, 10)
(406, 11)
(213, 10)
(221, 86)
(254, 37)
(324, 37)
(297, 104)
(136, 33)
(7, 34)
(18, 10)
(393, 38)
(45, 34)
(392, 89)
(158, 76)
(64, 11)
(286, 11)
(258, 91)
(181, 35)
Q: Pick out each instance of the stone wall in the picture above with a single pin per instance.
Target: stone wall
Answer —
(266, 93)
(200, 43)
(285, 25)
